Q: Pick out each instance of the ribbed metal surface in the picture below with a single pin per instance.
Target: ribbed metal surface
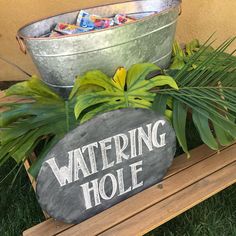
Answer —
(149, 39)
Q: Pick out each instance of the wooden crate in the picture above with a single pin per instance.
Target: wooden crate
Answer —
(187, 183)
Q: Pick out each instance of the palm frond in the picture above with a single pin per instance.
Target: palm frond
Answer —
(207, 87)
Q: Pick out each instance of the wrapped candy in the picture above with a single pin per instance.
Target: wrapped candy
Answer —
(93, 22)
(65, 28)
(122, 19)
(55, 34)
(88, 22)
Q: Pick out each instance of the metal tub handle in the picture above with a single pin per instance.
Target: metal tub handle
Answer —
(21, 44)
(180, 9)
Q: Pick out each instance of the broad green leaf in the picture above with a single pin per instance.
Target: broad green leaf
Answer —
(34, 88)
(224, 137)
(202, 124)
(35, 167)
(179, 124)
(99, 110)
(91, 99)
(84, 89)
(139, 72)
(157, 81)
(159, 103)
(96, 78)
(23, 124)
(116, 94)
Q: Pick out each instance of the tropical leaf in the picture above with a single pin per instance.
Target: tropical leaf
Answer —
(207, 87)
(125, 90)
(202, 124)
(40, 114)
(35, 167)
(223, 136)
(179, 124)
(159, 103)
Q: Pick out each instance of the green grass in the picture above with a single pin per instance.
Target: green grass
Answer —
(216, 216)
(19, 209)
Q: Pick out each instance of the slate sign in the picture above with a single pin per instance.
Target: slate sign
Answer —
(105, 161)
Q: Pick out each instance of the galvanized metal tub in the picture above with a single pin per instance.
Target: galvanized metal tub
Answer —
(60, 60)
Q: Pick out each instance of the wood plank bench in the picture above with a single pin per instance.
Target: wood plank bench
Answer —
(187, 183)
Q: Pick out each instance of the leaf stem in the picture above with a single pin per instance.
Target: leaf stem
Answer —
(67, 116)
(126, 99)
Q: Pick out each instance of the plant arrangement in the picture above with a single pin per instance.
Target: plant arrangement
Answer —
(201, 82)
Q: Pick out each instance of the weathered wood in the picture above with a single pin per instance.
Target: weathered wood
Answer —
(183, 174)
(174, 205)
(32, 180)
(27, 164)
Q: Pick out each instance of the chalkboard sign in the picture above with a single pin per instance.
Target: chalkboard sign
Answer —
(105, 161)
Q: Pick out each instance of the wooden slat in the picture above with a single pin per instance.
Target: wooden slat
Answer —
(182, 162)
(32, 180)
(153, 195)
(52, 227)
(176, 204)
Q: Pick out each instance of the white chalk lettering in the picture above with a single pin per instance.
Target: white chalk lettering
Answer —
(82, 162)
(91, 155)
(155, 132)
(87, 190)
(104, 149)
(146, 138)
(97, 189)
(120, 150)
(79, 164)
(120, 177)
(102, 190)
(133, 151)
(63, 174)
(134, 171)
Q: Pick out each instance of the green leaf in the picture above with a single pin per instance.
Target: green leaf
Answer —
(157, 81)
(25, 123)
(179, 124)
(192, 47)
(119, 91)
(35, 167)
(207, 85)
(33, 88)
(159, 103)
(202, 124)
(139, 72)
(178, 60)
(169, 115)
(224, 137)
